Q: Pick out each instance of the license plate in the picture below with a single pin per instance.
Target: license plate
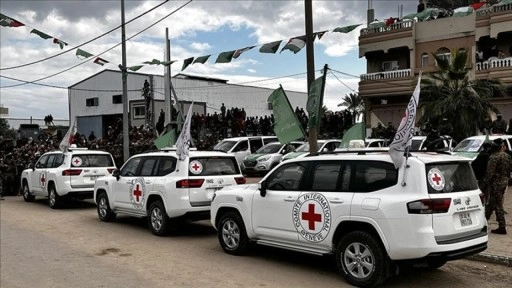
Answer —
(465, 219)
(93, 178)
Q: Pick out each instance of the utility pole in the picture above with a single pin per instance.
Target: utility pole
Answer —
(126, 124)
(167, 80)
(310, 60)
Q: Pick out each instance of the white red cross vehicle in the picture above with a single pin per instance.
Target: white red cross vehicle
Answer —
(164, 189)
(356, 206)
(72, 173)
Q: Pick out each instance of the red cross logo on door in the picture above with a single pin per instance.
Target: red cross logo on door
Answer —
(137, 192)
(42, 180)
(436, 179)
(311, 217)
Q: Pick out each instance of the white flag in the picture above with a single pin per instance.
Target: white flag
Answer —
(183, 142)
(405, 131)
(68, 138)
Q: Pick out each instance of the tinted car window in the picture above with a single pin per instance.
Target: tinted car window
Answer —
(450, 177)
(373, 175)
(287, 177)
(167, 165)
(216, 166)
(49, 162)
(255, 145)
(59, 160)
(225, 145)
(148, 166)
(95, 160)
(42, 162)
(325, 176)
(130, 168)
(242, 146)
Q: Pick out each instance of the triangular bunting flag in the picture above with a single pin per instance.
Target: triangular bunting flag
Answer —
(346, 29)
(60, 42)
(240, 51)
(271, 47)
(153, 62)
(225, 57)
(135, 68)
(167, 63)
(82, 53)
(295, 44)
(201, 59)
(100, 61)
(41, 34)
(187, 62)
(320, 34)
(9, 22)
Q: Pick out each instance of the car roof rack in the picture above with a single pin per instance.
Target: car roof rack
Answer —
(364, 151)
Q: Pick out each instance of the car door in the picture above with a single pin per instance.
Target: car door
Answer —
(273, 213)
(122, 189)
(324, 203)
(241, 150)
(38, 176)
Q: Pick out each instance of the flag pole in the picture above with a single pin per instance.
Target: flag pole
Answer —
(126, 122)
(406, 166)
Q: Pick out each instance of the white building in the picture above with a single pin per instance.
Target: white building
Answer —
(96, 101)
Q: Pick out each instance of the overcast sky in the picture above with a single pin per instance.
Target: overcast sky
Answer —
(201, 28)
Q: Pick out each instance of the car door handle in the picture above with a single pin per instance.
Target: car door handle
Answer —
(148, 182)
(289, 199)
(336, 201)
(128, 182)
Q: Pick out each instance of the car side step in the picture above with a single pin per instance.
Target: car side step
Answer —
(307, 250)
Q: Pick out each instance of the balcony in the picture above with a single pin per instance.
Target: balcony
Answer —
(494, 63)
(387, 84)
(387, 75)
(395, 26)
(494, 9)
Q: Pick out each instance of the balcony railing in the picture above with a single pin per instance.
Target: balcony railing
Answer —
(494, 63)
(387, 74)
(493, 9)
(394, 26)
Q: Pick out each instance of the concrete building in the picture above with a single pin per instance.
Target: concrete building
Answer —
(97, 101)
(397, 53)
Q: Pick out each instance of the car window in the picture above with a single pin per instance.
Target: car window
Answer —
(147, 168)
(269, 140)
(210, 166)
(49, 162)
(42, 162)
(374, 175)
(241, 146)
(130, 168)
(286, 177)
(59, 160)
(325, 176)
(255, 144)
(92, 160)
(270, 148)
(225, 145)
(450, 177)
(167, 165)
(416, 144)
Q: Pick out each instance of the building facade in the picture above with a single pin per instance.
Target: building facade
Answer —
(96, 102)
(397, 53)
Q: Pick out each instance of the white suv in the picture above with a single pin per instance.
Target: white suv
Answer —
(65, 174)
(159, 186)
(357, 206)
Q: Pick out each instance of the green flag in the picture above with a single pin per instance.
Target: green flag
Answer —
(135, 68)
(356, 132)
(346, 29)
(286, 126)
(41, 34)
(315, 99)
(187, 62)
(153, 62)
(225, 57)
(270, 47)
(82, 53)
(166, 140)
(201, 59)
(167, 63)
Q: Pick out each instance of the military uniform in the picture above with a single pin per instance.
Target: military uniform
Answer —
(495, 182)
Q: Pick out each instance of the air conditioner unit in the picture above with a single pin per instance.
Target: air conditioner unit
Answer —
(390, 65)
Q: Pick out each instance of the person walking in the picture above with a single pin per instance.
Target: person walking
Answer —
(479, 166)
(496, 182)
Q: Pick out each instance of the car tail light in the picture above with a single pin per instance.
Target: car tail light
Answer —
(240, 180)
(110, 170)
(429, 206)
(482, 198)
(190, 183)
(72, 172)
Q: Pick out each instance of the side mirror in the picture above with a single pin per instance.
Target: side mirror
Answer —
(32, 166)
(262, 186)
(115, 173)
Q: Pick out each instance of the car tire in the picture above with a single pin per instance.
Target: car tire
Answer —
(361, 259)
(158, 221)
(232, 234)
(26, 194)
(54, 200)
(103, 207)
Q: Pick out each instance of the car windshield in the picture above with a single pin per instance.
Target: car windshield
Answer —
(269, 148)
(469, 145)
(225, 145)
(416, 144)
(450, 177)
(305, 147)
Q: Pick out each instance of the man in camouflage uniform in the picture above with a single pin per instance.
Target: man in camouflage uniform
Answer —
(496, 181)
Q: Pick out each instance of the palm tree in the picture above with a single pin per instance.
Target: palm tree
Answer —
(354, 103)
(450, 93)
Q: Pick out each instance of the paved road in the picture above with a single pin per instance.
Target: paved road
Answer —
(70, 247)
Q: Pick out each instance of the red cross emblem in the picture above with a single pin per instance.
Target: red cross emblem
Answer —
(42, 180)
(195, 167)
(77, 161)
(137, 192)
(311, 217)
(436, 178)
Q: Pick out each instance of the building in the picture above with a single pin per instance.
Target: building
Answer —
(396, 54)
(96, 102)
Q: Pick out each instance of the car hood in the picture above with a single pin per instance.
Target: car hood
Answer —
(471, 155)
(293, 155)
(253, 157)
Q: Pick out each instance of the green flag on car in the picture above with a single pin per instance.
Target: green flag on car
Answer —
(356, 132)
(166, 140)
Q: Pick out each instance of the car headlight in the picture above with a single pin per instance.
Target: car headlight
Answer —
(263, 159)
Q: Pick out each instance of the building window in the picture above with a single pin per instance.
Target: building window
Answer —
(390, 65)
(117, 99)
(270, 106)
(139, 112)
(444, 53)
(424, 60)
(91, 102)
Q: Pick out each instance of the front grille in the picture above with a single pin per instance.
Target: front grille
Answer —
(250, 163)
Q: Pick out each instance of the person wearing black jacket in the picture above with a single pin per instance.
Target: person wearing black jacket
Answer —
(480, 165)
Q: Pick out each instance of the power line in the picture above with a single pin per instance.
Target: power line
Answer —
(343, 82)
(74, 47)
(83, 62)
(376, 80)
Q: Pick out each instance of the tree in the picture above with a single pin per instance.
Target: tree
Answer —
(354, 103)
(450, 93)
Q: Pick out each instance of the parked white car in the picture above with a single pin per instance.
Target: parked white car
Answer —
(471, 146)
(267, 157)
(357, 206)
(158, 186)
(241, 147)
(65, 174)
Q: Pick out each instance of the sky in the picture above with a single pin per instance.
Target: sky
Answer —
(200, 28)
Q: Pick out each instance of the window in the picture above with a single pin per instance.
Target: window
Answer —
(148, 166)
(94, 160)
(217, 166)
(372, 176)
(41, 163)
(241, 146)
(458, 177)
(59, 160)
(49, 162)
(424, 60)
(130, 168)
(89, 102)
(325, 176)
(270, 107)
(444, 53)
(287, 177)
(255, 144)
(167, 165)
(139, 111)
(390, 65)
(117, 99)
